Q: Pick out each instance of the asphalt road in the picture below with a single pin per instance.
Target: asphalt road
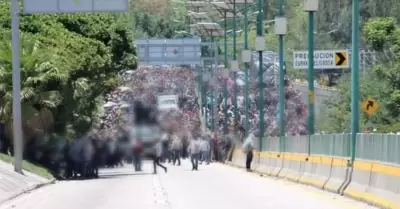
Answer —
(214, 186)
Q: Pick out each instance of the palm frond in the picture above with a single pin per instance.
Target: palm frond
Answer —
(27, 93)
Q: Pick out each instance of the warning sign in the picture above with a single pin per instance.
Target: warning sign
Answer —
(323, 59)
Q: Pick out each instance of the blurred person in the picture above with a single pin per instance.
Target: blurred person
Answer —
(165, 142)
(185, 145)
(156, 157)
(248, 148)
(215, 147)
(204, 150)
(176, 147)
(194, 150)
(210, 140)
(137, 156)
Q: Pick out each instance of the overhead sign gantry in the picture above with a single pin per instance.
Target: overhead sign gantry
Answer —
(184, 51)
(74, 6)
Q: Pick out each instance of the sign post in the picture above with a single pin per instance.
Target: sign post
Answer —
(323, 59)
(310, 6)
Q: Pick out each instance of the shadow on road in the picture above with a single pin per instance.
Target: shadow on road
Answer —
(110, 175)
(119, 175)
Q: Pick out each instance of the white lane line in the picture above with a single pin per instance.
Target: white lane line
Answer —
(161, 201)
(159, 193)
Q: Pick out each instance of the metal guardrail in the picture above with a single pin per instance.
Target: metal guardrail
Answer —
(372, 147)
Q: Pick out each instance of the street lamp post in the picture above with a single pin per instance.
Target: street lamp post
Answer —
(212, 30)
(226, 10)
(205, 79)
(225, 79)
(214, 83)
(355, 112)
(201, 94)
(311, 6)
(246, 64)
(235, 112)
(246, 69)
(260, 47)
(281, 30)
(16, 82)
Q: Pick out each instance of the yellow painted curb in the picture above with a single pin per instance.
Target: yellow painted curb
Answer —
(372, 199)
(338, 162)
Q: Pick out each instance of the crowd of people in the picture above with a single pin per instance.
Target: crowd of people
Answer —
(147, 82)
(295, 109)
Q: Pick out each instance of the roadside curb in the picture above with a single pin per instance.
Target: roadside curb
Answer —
(264, 175)
(254, 172)
(27, 190)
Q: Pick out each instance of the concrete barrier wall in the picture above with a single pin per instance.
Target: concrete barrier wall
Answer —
(376, 183)
(372, 182)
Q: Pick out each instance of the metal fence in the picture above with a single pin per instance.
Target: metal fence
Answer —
(374, 147)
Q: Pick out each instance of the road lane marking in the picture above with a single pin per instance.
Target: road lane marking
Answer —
(159, 193)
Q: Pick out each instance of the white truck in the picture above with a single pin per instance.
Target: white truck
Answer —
(167, 102)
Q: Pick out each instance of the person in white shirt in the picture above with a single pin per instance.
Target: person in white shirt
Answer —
(194, 150)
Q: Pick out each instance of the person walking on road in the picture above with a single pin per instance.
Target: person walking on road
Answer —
(194, 150)
(176, 147)
(137, 157)
(248, 148)
(165, 142)
(157, 157)
(204, 150)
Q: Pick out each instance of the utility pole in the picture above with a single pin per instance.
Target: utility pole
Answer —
(260, 47)
(225, 78)
(281, 30)
(246, 69)
(16, 82)
(234, 70)
(355, 103)
(311, 6)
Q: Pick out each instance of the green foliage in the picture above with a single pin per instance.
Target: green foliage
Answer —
(379, 32)
(147, 25)
(381, 83)
(68, 61)
(30, 167)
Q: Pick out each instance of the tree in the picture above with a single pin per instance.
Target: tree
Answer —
(68, 62)
(382, 82)
(40, 78)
